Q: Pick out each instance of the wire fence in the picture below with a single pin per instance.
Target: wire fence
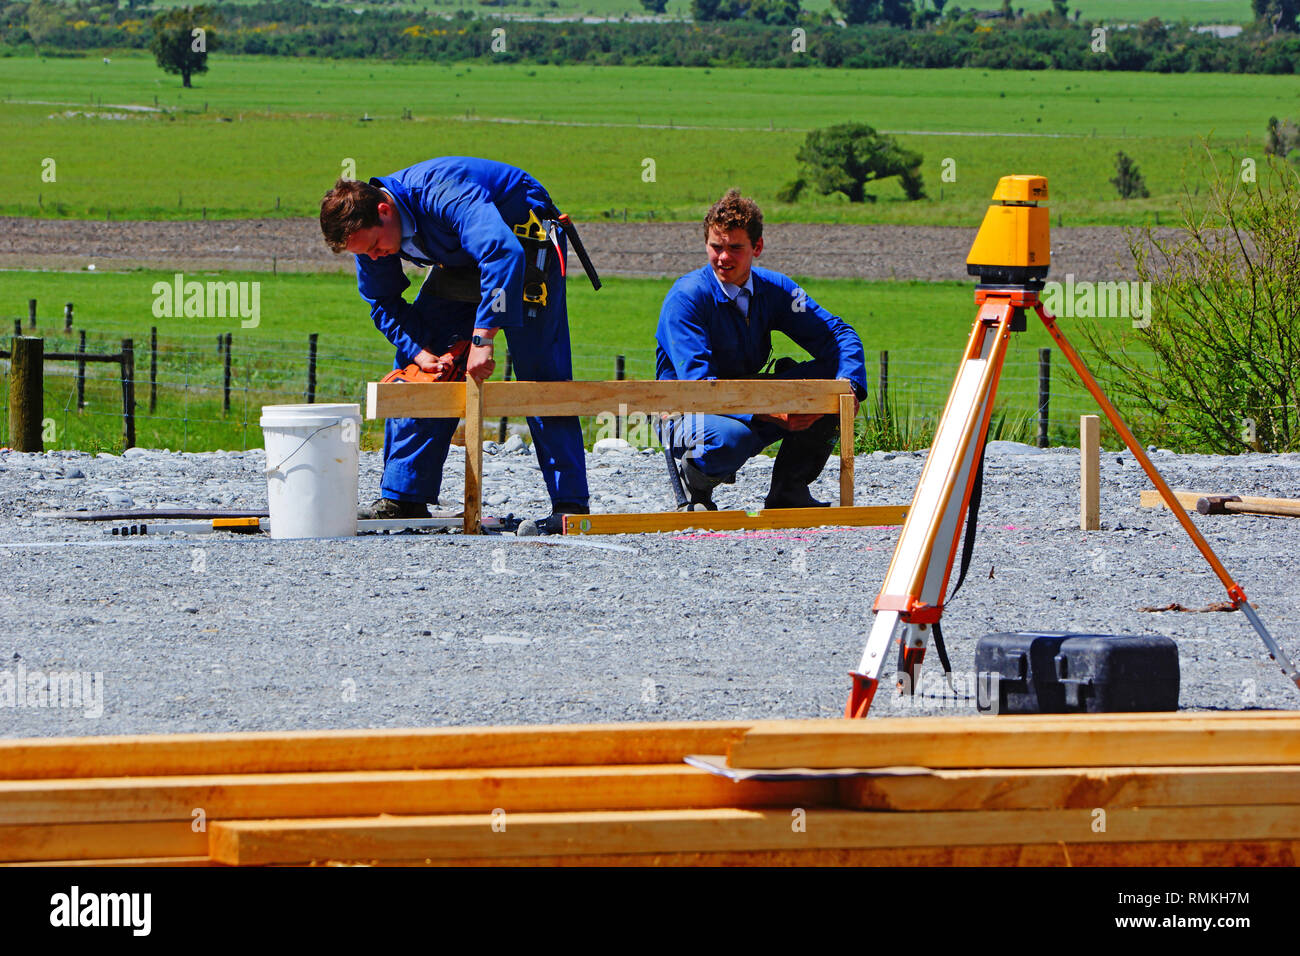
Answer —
(206, 392)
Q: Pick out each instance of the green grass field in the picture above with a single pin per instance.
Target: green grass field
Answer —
(922, 325)
(257, 130)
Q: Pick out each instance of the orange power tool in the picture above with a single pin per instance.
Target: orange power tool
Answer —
(451, 367)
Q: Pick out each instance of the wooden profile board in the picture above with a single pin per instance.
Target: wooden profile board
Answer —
(974, 742)
(521, 834)
(475, 402)
(651, 522)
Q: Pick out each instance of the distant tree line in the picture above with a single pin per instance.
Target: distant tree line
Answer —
(772, 33)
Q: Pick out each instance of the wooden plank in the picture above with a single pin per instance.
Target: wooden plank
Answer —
(355, 750)
(847, 438)
(1089, 472)
(970, 742)
(721, 830)
(514, 399)
(94, 841)
(651, 522)
(1076, 787)
(480, 790)
(1150, 498)
(128, 861)
(473, 456)
(1216, 853)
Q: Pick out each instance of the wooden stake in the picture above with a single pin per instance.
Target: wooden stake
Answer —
(473, 456)
(1090, 472)
(847, 438)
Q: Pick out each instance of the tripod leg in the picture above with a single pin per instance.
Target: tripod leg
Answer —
(1235, 592)
(912, 594)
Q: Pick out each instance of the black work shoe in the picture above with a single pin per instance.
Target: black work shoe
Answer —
(793, 498)
(392, 508)
(699, 487)
(551, 524)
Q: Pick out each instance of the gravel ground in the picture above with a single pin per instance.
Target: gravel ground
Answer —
(219, 633)
(640, 249)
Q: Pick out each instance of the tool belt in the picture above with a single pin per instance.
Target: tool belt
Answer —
(452, 368)
(463, 284)
(540, 251)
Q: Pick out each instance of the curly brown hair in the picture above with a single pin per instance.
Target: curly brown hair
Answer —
(734, 211)
(348, 208)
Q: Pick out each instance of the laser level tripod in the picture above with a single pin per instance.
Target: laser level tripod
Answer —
(1011, 253)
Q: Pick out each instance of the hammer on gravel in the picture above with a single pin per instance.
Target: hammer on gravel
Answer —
(1232, 504)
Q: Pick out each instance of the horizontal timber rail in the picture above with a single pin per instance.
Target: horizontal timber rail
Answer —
(474, 401)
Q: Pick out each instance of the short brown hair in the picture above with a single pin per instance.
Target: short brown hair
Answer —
(347, 208)
(734, 211)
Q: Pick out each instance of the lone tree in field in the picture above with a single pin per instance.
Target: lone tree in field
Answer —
(847, 157)
(1127, 179)
(1282, 137)
(1215, 364)
(181, 38)
(655, 6)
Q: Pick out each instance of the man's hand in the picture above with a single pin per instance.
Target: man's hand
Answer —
(790, 422)
(428, 362)
(481, 364)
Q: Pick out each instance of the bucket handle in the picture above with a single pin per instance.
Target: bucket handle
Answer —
(284, 461)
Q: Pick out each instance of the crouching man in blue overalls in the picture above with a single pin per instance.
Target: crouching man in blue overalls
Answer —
(717, 323)
(481, 227)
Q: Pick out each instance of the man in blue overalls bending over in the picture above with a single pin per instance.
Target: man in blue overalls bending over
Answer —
(717, 323)
(482, 227)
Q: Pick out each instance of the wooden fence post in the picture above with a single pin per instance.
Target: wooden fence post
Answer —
(67, 317)
(311, 366)
(31, 316)
(128, 393)
(26, 393)
(882, 392)
(619, 374)
(153, 368)
(81, 370)
(1044, 393)
(225, 401)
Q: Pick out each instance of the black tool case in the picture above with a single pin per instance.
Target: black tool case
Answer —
(1057, 673)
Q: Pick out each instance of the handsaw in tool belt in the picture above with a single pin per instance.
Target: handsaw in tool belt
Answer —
(571, 231)
(451, 367)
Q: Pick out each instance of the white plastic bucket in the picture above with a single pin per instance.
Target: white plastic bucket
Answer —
(312, 460)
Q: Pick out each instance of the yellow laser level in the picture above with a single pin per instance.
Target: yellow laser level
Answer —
(1013, 246)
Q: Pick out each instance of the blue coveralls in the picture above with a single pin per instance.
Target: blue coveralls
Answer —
(458, 211)
(702, 334)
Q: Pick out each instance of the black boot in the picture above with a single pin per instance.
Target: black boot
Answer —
(801, 459)
(552, 523)
(391, 508)
(699, 487)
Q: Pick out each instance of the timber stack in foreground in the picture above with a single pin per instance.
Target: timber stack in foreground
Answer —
(1127, 789)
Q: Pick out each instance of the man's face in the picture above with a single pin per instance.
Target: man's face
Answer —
(384, 239)
(731, 254)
